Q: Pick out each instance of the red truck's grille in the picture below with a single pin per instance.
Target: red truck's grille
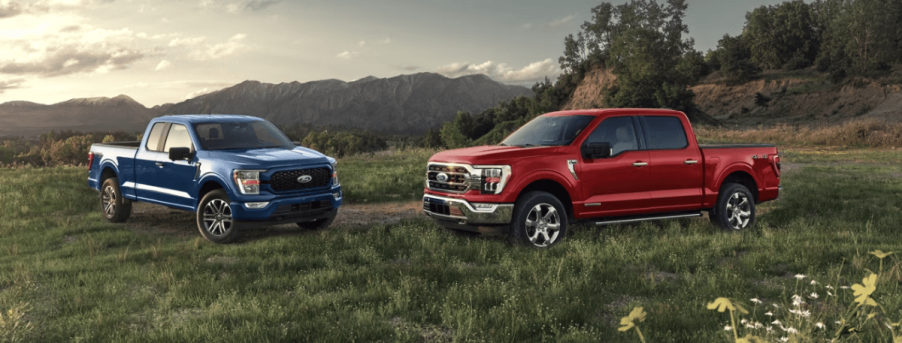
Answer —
(288, 180)
(447, 178)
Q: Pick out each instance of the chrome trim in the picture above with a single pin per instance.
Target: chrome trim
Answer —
(167, 191)
(570, 165)
(196, 171)
(607, 222)
(497, 214)
(754, 157)
(505, 176)
(592, 204)
(640, 164)
(690, 161)
(468, 177)
(128, 185)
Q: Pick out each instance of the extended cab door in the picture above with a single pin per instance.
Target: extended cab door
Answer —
(616, 185)
(675, 164)
(146, 169)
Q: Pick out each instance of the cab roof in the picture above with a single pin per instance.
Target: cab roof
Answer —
(188, 119)
(601, 111)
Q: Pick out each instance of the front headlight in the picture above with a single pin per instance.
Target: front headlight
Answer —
(493, 178)
(247, 181)
(335, 174)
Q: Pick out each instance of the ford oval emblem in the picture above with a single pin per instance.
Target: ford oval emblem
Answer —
(442, 177)
(305, 178)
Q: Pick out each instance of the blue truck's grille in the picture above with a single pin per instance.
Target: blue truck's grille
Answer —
(288, 180)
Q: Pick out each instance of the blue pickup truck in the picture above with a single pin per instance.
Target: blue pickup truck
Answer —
(235, 172)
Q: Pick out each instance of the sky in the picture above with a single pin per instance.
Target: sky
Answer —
(165, 51)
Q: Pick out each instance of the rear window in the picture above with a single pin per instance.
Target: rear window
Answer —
(153, 141)
(665, 133)
(178, 138)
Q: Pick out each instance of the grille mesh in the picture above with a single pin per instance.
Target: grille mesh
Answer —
(288, 180)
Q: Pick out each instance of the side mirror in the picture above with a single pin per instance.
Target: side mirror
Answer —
(179, 154)
(596, 150)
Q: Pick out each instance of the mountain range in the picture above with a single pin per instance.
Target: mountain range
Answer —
(401, 104)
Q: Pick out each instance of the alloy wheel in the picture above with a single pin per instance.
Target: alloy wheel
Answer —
(217, 217)
(543, 225)
(108, 201)
(738, 211)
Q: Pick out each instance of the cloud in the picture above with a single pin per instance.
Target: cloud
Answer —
(408, 68)
(534, 72)
(9, 9)
(561, 21)
(212, 52)
(10, 84)
(187, 41)
(526, 26)
(385, 40)
(73, 59)
(257, 5)
(162, 65)
(348, 55)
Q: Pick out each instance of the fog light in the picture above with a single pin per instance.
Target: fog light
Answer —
(336, 195)
(256, 205)
(479, 206)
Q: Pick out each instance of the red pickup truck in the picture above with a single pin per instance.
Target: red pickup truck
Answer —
(602, 166)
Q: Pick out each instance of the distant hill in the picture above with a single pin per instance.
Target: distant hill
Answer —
(23, 118)
(401, 104)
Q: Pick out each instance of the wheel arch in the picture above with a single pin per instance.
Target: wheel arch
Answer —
(553, 187)
(206, 186)
(107, 171)
(741, 177)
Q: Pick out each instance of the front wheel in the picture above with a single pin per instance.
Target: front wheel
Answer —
(539, 220)
(735, 209)
(214, 218)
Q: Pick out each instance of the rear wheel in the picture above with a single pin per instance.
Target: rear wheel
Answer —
(214, 218)
(539, 220)
(735, 209)
(114, 207)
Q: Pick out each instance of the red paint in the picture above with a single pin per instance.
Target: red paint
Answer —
(666, 184)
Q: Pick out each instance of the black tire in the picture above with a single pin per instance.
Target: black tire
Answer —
(534, 224)
(735, 209)
(113, 206)
(214, 218)
(319, 224)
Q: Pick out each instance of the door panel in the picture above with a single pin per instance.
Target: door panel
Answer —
(616, 185)
(176, 178)
(675, 165)
(146, 169)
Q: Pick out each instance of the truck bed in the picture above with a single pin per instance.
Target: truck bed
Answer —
(129, 144)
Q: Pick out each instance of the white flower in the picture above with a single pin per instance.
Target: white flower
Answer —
(813, 295)
(756, 300)
(792, 331)
(813, 282)
(844, 287)
(750, 326)
(769, 328)
(805, 313)
(829, 287)
(819, 325)
(769, 314)
(727, 328)
(776, 306)
(784, 339)
(776, 322)
(830, 294)
(758, 325)
(800, 276)
(838, 322)
(795, 311)
(743, 321)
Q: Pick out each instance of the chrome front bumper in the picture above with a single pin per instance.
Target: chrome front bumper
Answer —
(462, 212)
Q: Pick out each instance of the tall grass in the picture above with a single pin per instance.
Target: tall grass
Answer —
(87, 280)
(393, 175)
(859, 133)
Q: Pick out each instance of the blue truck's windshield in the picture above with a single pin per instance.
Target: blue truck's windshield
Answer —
(241, 135)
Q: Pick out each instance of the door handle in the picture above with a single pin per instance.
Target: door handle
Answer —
(690, 161)
(160, 164)
(640, 164)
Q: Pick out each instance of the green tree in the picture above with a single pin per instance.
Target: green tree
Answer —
(779, 34)
(734, 58)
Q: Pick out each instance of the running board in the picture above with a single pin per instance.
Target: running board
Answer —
(672, 216)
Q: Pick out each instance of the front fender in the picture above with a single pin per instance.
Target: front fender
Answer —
(546, 174)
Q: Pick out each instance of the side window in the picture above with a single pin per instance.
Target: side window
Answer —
(665, 133)
(619, 131)
(153, 141)
(178, 138)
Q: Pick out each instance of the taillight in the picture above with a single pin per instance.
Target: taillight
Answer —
(777, 163)
(90, 159)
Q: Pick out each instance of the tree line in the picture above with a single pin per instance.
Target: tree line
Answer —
(646, 45)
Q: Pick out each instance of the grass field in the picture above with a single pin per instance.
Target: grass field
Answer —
(67, 275)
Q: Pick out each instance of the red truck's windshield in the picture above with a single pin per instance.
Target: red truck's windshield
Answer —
(241, 135)
(549, 131)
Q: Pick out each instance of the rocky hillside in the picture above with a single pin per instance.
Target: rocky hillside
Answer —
(401, 104)
(804, 97)
(23, 118)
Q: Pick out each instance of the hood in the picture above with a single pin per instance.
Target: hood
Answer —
(492, 154)
(270, 157)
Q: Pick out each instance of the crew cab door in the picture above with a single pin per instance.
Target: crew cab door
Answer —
(616, 185)
(675, 164)
(176, 178)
